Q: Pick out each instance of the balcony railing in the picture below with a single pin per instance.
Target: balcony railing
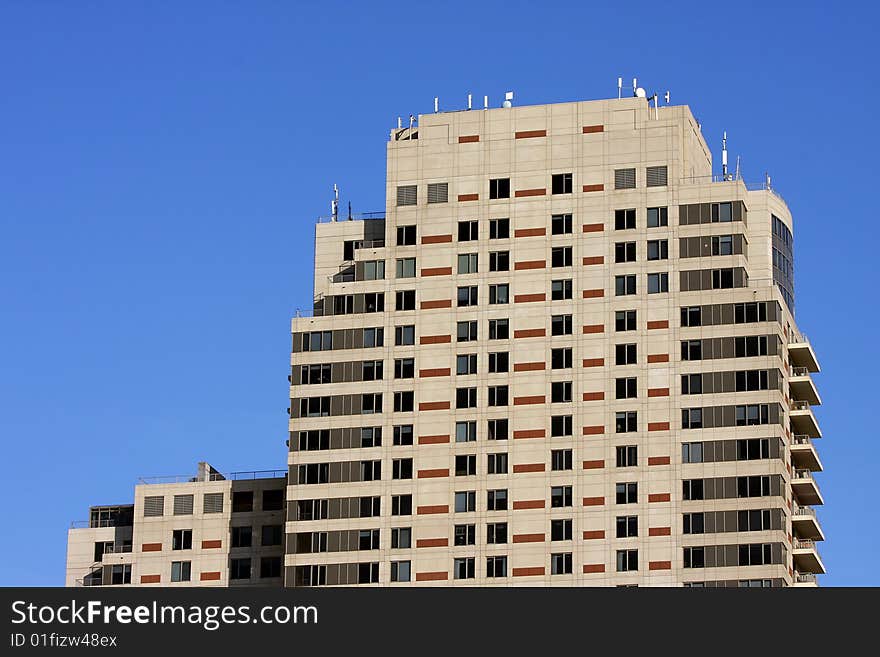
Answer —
(797, 405)
(800, 371)
(805, 578)
(801, 439)
(117, 548)
(805, 511)
(802, 474)
(804, 544)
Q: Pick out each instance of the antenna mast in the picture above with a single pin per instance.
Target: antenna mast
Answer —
(334, 204)
(724, 175)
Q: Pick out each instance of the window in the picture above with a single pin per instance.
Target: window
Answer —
(154, 506)
(401, 505)
(466, 398)
(496, 533)
(401, 469)
(499, 293)
(560, 224)
(748, 380)
(560, 325)
(691, 384)
(692, 489)
(465, 501)
(624, 179)
(626, 388)
(560, 563)
(499, 261)
(496, 566)
(121, 574)
(752, 414)
(497, 463)
(755, 555)
(315, 374)
(368, 539)
(560, 256)
(560, 183)
(744, 313)
(271, 535)
(722, 212)
(317, 341)
(375, 337)
(658, 283)
(692, 316)
(371, 403)
(625, 219)
(183, 505)
(755, 486)
(314, 406)
(406, 268)
(722, 245)
(625, 354)
(625, 422)
(694, 523)
(242, 501)
(627, 493)
(463, 568)
(722, 279)
(625, 320)
(625, 285)
(498, 395)
(627, 560)
(371, 370)
(407, 194)
(465, 465)
(240, 568)
(750, 345)
(438, 192)
(403, 435)
(561, 359)
(750, 449)
(468, 231)
(467, 263)
(694, 557)
(499, 329)
(212, 503)
(627, 526)
(692, 452)
(692, 350)
(466, 364)
(406, 236)
(181, 539)
(465, 432)
(499, 361)
(464, 535)
(466, 331)
(560, 530)
(496, 500)
(560, 392)
(625, 252)
(497, 429)
(753, 521)
(401, 538)
(560, 425)
(273, 500)
(368, 573)
(404, 368)
(467, 296)
(375, 269)
(658, 249)
(499, 229)
(658, 217)
(655, 176)
(499, 188)
(313, 473)
(560, 289)
(181, 571)
(401, 571)
(404, 401)
(627, 456)
(692, 418)
(370, 507)
(560, 496)
(405, 300)
(561, 459)
(372, 470)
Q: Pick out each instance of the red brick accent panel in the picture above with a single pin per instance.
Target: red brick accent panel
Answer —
(528, 538)
(528, 504)
(439, 303)
(529, 298)
(434, 406)
(528, 572)
(151, 547)
(437, 271)
(659, 531)
(659, 324)
(529, 264)
(594, 465)
(525, 193)
(594, 188)
(658, 460)
(594, 431)
(528, 134)
(432, 509)
(529, 367)
(593, 362)
(432, 542)
(433, 474)
(468, 139)
(433, 440)
(151, 579)
(658, 426)
(462, 198)
(658, 392)
(435, 339)
(590, 568)
(658, 358)
(431, 577)
(593, 228)
(439, 371)
(436, 239)
(594, 260)
(589, 129)
(594, 534)
(528, 467)
(658, 497)
(593, 294)
(593, 501)
(594, 328)
(530, 232)
(594, 396)
(530, 333)
(526, 401)
(660, 565)
(211, 576)
(210, 545)
(528, 433)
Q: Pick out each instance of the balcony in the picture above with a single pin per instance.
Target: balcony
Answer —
(805, 488)
(803, 421)
(806, 524)
(802, 388)
(805, 580)
(804, 455)
(806, 557)
(801, 354)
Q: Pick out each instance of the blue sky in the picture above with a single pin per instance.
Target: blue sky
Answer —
(162, 165)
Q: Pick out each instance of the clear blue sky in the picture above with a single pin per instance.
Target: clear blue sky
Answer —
(161, 166)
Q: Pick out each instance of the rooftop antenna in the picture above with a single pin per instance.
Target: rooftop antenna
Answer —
(666, 97)
(656, 110)
(399, 123)
(767, 180)
(619, 88)
(738, 175)
(485, 102)
(349, 210)
(412, 120)
(724, 175)
(436, 104)
(334, 204)
(635, 85)
(508, 99)
(470, 101)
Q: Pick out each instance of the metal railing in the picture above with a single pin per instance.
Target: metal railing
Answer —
(802, 474)
(214, 476)
(117, 548)
(356, 216)
(800, 405)
(806, 578)
(801, 439)
(800, 371)
(804, 544)
(804, 511)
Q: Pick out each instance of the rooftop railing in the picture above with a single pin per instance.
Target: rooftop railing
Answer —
(215, 476)
(357, 216)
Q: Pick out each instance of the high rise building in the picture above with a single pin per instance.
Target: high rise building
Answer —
(566, 354)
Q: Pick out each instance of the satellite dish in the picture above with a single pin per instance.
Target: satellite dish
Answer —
(640, 93)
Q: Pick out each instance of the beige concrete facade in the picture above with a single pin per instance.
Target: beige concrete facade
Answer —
(562, 511)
